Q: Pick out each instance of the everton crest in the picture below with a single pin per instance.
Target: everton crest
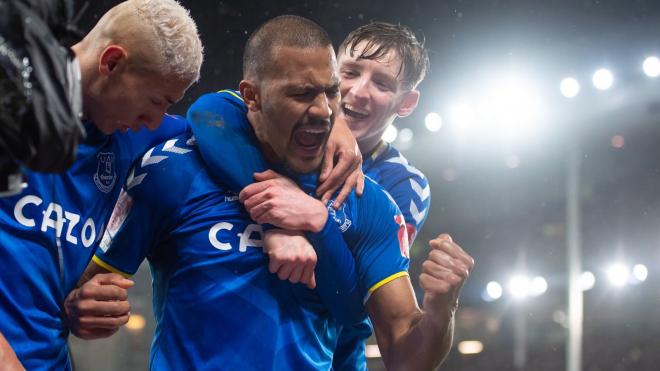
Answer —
(339, 216)
(105, 176)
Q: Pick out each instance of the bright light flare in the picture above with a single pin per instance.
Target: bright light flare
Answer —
(463, 117)
(618, 274)
(519, 287)
(569, 87)
(640, 272)
(603, 79)
(433, 122)
(390, 134)
(405, 135)
(510, 107)
(587, 281)
(539, 286)
(652, 66)
(493, 291)
(470, 347)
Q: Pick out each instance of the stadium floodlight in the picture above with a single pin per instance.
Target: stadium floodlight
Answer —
(652, 66)
(538, 286)
(510, 107)
(390, 134)
(433, 122)
(640, 272)
(405, 135)
(569, 87)
(519, 286)
(603, 79)
(618, 274)
(470, 347)
(463, 117)
(587, 281)
(493, 291)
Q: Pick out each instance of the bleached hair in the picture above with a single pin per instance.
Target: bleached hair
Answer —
(177, 39)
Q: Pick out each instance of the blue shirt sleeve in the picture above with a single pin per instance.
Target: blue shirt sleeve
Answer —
(378, 238)
(225, 138)
(143, 212)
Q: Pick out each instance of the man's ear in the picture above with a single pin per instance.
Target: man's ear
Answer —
(250, 93)
(113, 56)
(408, 103)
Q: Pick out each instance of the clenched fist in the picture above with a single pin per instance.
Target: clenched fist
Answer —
(99, 307)
(443, 274)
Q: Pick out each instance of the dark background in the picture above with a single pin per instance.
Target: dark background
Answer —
(509, 219)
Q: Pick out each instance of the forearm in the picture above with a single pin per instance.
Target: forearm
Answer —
(423, 347)
(8, 359)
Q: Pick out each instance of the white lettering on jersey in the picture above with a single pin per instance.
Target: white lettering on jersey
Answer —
(247, 241)
(73, 220)
(213, 236)
(245, 237)
(88, 237)
(18, 210)
(54, 217)
(48, 220)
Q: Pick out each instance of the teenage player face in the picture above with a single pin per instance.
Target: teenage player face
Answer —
(371, 92)
(131, 100)
(299, 101)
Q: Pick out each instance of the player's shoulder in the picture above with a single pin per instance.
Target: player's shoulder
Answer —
(394, 158)
(139, 141)
(210, 105)
(375, 194)
(169, 164)
(393, 171)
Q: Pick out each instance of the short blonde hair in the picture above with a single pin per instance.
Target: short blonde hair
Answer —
(160, 33)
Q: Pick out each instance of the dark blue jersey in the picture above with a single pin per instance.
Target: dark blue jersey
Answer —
(48, 234)
(216, 304)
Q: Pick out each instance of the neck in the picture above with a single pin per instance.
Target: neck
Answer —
(368, 145)
(258, 126)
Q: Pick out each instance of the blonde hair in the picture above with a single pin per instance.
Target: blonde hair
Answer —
(158, 34)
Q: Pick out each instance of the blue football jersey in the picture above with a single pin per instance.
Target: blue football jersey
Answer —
(221, 143)
(406, 184)
(216, 304)
(48, 234)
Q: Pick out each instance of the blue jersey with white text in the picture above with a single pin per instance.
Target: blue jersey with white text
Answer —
(410, 190)
(48, 234)
(216, 304)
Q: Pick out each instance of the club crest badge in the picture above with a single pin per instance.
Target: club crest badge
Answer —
(105, 176)
(339, 216)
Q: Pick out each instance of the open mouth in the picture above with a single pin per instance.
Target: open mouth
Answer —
(351, 111)
(310, 138)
